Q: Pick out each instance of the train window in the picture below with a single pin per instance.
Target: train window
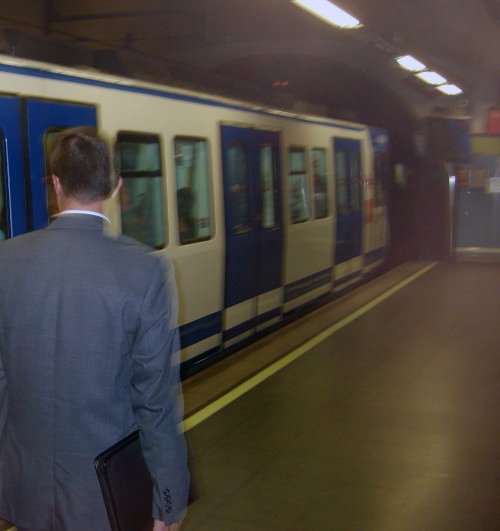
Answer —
(3, 195)
(355, 180)
(267, 170)
(192, 177)
(237, 163)
(51, 198)
(340, 182)
(320, 183)
(382, 173)
(141, 196)
(297, 181)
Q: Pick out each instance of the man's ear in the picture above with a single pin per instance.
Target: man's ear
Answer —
(117, 187)
(57, 185)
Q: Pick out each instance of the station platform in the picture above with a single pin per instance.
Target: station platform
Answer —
(377, 411)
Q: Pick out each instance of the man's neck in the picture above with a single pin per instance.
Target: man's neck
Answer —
(71, 204)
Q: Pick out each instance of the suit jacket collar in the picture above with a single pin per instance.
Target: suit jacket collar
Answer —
(77, 221)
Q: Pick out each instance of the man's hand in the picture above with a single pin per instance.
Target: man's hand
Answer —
(161, 526)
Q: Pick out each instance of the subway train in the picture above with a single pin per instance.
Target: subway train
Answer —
(263, 212)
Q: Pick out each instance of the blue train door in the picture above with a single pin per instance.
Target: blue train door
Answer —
(12, 192)
(254, 232)
(349, 223)
(43, 119)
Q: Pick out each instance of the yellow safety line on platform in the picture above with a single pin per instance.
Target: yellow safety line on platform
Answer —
(247, 385)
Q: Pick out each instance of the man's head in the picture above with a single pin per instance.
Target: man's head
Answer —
(81, 161)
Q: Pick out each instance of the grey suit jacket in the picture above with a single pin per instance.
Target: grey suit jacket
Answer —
(88, 354)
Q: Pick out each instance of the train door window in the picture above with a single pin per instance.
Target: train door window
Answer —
(3, 195)
(340, 182)
(267, 170)
(320, 183)
(51, 198)
(194, 197)
(141, 196)
(298, 186)
(355, 181)
(237, 163)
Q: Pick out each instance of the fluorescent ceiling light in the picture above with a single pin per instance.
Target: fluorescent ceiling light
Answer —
(433, 78)
(451, 90)
(328, 12)
(410, 63)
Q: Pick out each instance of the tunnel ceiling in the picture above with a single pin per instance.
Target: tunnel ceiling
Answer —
(270, 51)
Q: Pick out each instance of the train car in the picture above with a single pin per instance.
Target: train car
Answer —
(262, 211)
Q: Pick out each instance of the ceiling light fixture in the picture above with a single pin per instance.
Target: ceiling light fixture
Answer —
(451, 90)
(410, 63)
(433, 78)
(329, 13)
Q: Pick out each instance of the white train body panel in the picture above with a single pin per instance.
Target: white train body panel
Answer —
(310, 240)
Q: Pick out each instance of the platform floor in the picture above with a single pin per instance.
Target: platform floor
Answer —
(387, 420)
(391, 423)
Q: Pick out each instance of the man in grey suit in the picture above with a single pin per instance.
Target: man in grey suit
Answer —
(88, 354)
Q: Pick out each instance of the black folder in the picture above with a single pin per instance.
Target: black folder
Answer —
(126, 485)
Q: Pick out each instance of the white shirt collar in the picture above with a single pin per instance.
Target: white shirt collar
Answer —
(87, 212)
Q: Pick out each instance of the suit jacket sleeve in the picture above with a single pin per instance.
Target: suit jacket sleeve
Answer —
(3, 412)
(156, 396)
(3, 399)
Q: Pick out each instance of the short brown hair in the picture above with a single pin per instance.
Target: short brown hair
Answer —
(81, 160)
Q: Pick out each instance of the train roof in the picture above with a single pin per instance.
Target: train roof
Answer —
(92, 77)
